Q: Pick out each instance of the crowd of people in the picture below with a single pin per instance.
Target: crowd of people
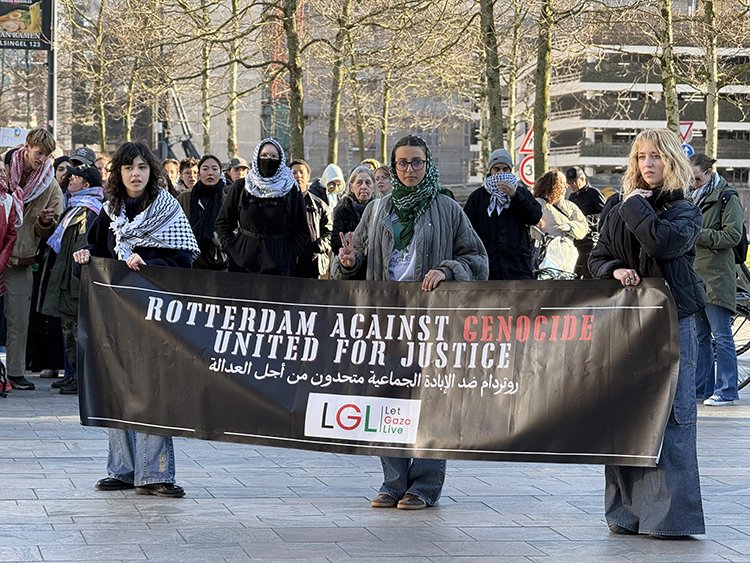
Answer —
(673, 218)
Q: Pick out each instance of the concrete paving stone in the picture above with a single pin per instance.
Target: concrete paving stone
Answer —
(93, 553)
(511, 533)
(587, 559)
(737, 546)
(486, 549)
(120, 536)
(19, 554)
(374, 559)
(27, 537)
(392, 549)
(237, 492)
(300, 550)
(490, 559)
(225, 535)
(419, 533)
(328, 534)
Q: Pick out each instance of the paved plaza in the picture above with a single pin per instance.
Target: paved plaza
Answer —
(259, 503)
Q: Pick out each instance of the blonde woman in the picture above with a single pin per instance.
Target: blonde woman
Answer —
(652, 232)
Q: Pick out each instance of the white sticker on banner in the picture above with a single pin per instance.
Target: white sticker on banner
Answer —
(369, 419)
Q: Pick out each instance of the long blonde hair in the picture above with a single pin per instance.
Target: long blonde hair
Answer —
(677, 172)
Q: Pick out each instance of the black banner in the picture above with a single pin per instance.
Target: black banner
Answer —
(26, 24)
(548, 371)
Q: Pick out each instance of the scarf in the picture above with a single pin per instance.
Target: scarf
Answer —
(700, 194)
(205, 203)
(79, 203)
(277, 185)
(410, 203)
(499, 200)
(161, 225)
(38, 181)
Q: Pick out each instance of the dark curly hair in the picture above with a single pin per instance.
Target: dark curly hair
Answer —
(125, 155)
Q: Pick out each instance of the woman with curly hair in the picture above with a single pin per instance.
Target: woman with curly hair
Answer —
(561, 219)
(140, 224)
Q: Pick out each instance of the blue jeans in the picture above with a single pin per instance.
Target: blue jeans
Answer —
(421, 477)
(716, 320)
(138, 458)
(665, 499)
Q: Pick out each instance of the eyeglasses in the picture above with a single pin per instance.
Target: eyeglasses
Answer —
(269, 157)
(416, 164)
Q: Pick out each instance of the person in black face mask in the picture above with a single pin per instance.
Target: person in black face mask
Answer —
(262, 224)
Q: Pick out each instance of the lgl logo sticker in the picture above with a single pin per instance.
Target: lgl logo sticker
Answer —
(371, 419)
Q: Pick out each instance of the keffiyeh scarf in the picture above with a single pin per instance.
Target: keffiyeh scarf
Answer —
(705, 190)
(90, 198)
(499, 200)
(277, 185)
(162, 224)
(410, 203)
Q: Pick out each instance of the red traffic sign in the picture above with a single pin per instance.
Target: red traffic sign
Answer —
(686, 131)
(527, 145)
(526, 170)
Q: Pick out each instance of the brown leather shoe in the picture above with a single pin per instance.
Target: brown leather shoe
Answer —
(411, 502)
(383, 500)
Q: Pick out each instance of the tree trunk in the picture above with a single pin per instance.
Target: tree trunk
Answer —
(206, 84)
(712, 87)
(492, 74)
(385, 109)
(542, 79)
(127, 117)
(234, 53)
(513, 80)
(337, 82)
(668, 75)
(296, 93)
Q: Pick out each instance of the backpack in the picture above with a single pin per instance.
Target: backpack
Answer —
(740, 251)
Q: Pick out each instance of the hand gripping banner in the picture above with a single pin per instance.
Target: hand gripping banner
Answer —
(545, 371)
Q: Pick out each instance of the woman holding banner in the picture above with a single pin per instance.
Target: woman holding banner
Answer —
(413, 234)
(140, 224)
(652, 232)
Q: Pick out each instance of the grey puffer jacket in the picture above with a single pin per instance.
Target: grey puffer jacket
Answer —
(443, 237)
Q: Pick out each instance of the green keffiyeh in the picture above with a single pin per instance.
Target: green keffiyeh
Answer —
(410, 203)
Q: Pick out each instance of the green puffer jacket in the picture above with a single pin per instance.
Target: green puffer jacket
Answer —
(714, 258)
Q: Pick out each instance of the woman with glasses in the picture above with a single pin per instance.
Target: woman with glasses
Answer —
(414, 234)
(714, 261)
(501, 211)
(262, 224)
(360, 191)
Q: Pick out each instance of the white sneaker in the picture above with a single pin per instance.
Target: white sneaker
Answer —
(716, 401)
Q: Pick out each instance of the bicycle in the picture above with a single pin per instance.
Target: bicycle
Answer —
(741, 324)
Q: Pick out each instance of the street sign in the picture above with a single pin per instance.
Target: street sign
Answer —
(527, 145)
(686, 131)
(688, 150)
(526, 170)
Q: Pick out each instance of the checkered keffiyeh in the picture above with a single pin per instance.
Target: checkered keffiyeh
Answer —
(162, 224)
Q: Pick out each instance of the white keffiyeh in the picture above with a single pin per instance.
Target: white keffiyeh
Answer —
(277, 185)
(499, 200)
(162, 224)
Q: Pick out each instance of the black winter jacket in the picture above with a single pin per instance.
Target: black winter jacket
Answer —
(346, 217)
(314, 259)
(262, 235)
(656, 236)
(506, 236)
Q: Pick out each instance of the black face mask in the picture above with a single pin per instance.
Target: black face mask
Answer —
(268, 167)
